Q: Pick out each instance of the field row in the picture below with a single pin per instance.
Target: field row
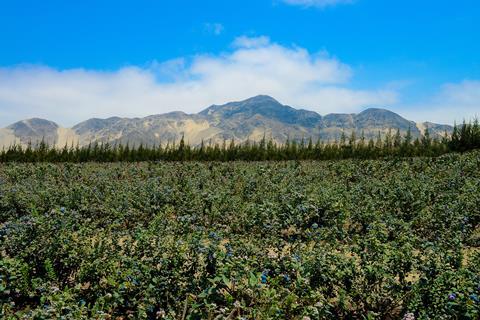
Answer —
(260, 240)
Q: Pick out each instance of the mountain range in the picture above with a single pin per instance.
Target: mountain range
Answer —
(251, 119)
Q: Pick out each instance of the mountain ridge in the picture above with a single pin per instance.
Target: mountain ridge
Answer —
(250, 119)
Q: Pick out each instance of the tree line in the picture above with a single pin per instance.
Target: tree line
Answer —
(463, 138)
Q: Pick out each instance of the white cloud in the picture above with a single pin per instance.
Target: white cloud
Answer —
(251, 42)
(316, 3)
(214, 28)
(454, 102)
(254, 66)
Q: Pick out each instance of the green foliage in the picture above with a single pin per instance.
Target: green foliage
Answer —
(351, 239)
(464, 139)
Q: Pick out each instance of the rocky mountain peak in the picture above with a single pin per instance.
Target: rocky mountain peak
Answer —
(250, 119)
(34, 130)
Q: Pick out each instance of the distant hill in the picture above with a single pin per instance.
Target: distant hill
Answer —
(251, 119)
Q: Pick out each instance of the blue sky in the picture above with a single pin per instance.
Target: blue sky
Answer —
(72, 60)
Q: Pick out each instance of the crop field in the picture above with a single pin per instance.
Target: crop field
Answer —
(350, 239)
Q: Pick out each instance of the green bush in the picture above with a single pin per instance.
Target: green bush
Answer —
(351, 239)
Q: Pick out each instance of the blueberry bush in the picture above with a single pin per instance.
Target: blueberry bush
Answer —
(347, 239)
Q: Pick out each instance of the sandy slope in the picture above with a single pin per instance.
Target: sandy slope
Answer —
(7, 138)
(421, 127)
(66, 136)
